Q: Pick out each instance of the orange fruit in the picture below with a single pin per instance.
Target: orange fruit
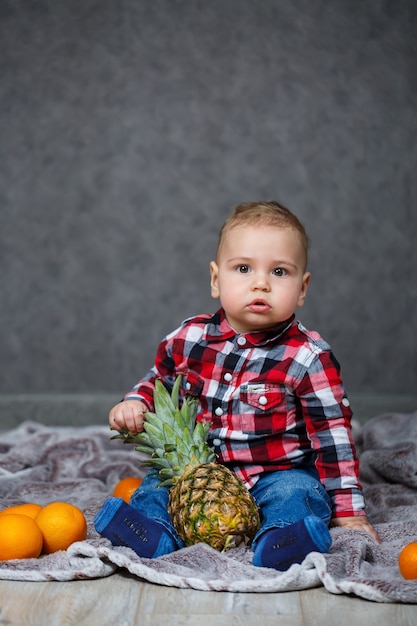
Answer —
(20, 537)
(29, 508)
(407, 561)
(126, 487)
(61, 524)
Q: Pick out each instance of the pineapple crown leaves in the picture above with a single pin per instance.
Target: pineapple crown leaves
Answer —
(171, 435)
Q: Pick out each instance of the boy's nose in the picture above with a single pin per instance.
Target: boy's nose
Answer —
(261, 282)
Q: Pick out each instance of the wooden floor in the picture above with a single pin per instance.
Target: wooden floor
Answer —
(123, 600)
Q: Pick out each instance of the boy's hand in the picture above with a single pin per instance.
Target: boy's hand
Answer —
(128, 415)
(356, 523)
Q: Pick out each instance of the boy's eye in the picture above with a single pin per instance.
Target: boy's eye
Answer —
(279, 271)
(243, 269)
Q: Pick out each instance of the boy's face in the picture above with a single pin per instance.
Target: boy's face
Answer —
(259, 276)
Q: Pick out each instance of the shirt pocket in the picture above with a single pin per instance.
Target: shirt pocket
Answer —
(192, 384)
(263, 408)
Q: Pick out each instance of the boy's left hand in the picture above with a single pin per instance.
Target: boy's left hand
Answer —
(356, 523)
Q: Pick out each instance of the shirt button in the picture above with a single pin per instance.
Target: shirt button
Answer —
(219, 411)
(228, 377)
(241, 340)
(263, 400)
(216, 442)
(345, 402)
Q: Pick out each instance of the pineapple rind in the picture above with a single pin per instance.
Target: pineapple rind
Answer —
(210, 504)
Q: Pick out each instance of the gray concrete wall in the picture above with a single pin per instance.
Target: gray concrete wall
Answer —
(130, 128)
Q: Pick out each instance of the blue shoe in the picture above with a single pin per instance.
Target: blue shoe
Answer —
(279, 548)
(126, 526)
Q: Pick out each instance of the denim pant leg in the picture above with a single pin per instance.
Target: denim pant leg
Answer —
(152, 500)
(287, 496)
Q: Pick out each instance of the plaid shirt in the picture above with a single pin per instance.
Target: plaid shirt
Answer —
(275, 400)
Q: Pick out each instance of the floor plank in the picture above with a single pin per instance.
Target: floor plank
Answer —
(204, 603)
(124, 600)
(320, 607)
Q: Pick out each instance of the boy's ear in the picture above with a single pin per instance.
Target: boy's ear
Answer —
(214, 273)
(304, 287)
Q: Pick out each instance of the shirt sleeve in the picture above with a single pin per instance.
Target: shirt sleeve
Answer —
(327, 417)
(163, 368)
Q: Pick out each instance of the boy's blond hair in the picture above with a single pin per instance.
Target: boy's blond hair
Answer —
(269, 213)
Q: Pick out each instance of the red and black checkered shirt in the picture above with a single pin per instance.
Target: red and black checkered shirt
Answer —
(275, 399)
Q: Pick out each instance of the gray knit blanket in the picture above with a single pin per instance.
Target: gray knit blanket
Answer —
(82, 465)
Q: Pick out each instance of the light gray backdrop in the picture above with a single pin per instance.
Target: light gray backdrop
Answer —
(130, 128)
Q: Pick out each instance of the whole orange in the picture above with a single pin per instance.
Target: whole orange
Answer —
(29, 508)
(126, 487)
(61, 524)
(407, 561)
(20, 537)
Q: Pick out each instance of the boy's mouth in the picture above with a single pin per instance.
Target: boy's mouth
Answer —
(259, 306)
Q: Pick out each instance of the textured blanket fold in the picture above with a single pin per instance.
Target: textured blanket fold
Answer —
(82, 465)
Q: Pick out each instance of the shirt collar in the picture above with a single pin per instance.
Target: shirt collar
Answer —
(218, 329)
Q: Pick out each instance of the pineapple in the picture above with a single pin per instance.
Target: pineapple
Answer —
(207, 502)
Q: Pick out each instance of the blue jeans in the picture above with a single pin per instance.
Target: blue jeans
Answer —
(152, 500)
(283, 497)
